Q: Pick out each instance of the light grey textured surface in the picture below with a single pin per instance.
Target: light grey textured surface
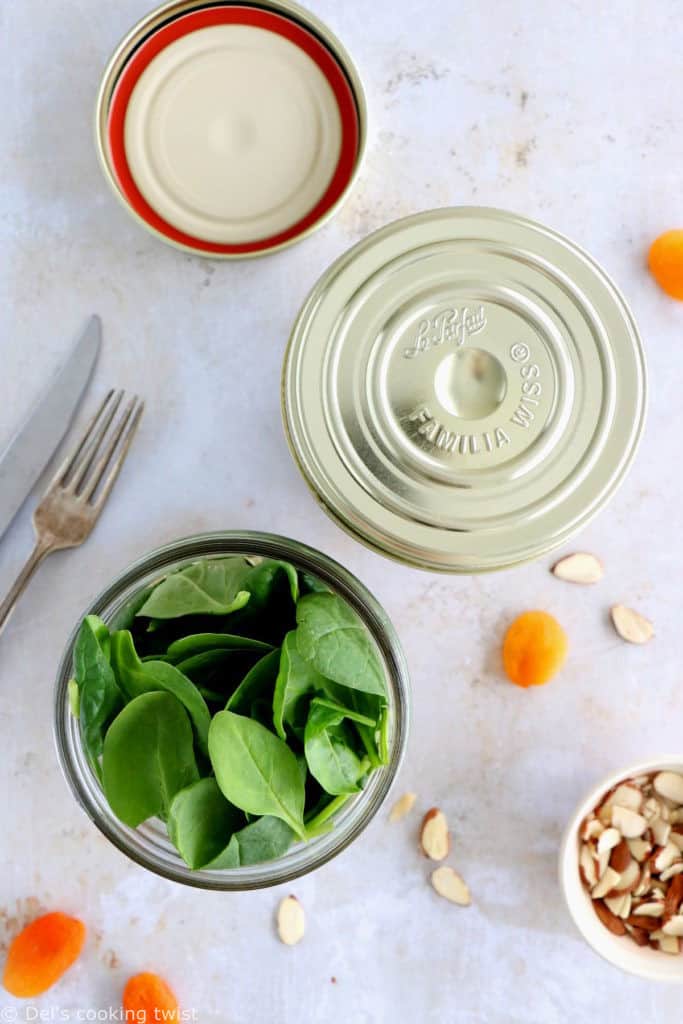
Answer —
(567, 112)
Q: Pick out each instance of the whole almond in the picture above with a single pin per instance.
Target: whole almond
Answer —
(610, 920)
(435, 839)
(291, 921)
(402, 807)
(448, 883)
(620, 857)
(581, 567)
(648, 924)
(674, 896)
(631, 625)
(639, 936)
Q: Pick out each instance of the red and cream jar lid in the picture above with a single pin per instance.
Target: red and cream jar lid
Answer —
(231, 129)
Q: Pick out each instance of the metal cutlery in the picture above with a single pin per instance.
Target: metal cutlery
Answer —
(30, 449)
(75, 497)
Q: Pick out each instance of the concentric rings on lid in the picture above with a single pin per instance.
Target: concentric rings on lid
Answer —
(464, 389)
(231, 129)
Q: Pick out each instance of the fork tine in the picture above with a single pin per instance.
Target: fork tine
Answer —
(89, 454)
(69, 462)
(94, 478)
(126, 440)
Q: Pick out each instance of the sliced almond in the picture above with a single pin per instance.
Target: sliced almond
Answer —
(645, 882)
(676, 816)
(619, 905)
(588, 868)
(670, 944)
(661, 830)
(677, 838)
(650, 909)
(639, 848)
(630, 823)
(654, 808)
(631, 625)
(670, 785)
(603, 862)
(628, 879)
(435, 838)
(627, 795)
(672, 872)
(610, 838)
(402, 807)
(291, 921)
(666, 857)
(620, 857)
(607, 882)
(581, 567)
(448, 883)
(591, 828)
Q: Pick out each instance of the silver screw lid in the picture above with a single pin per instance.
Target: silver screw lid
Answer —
(464, 389)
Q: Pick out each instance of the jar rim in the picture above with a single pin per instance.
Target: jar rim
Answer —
(149, 845)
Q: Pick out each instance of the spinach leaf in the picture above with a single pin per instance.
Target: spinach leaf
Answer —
(258, 682)
(318, 823)
(199, 643)
(311, 584)
(218, 586)
(136, 677)
(212, 587)
(74, 695)
(148, 757)
(354, 716)
(297, 680)
(263, 579)
(328, 747)
(100, 697)
(334, 640)
(219, 670)
(265, 839)
(201, 822)
(256, 770)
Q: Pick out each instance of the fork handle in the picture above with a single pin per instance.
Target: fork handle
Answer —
(43, 547)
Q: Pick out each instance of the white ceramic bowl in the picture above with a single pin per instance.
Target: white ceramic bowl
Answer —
(618, 950)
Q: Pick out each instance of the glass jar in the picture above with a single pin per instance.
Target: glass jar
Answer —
(149, 844)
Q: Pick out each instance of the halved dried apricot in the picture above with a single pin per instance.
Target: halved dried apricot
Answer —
(534, 648)
(41, 953)
(665, 260)
(147, 999)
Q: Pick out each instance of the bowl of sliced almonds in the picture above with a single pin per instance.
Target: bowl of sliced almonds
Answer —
(621, 869)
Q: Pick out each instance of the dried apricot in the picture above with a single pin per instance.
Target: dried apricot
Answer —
(41, 953)
(534, 648)
(665, 260)
(147, 998)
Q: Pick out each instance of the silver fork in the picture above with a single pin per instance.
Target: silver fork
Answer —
(79, 489)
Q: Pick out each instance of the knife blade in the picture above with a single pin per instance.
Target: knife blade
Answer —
(31, 448)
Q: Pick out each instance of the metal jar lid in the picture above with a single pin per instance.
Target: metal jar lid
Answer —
(464, 389)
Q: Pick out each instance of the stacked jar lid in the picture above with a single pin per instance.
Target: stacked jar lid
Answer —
(465, 388)
(230, 130)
